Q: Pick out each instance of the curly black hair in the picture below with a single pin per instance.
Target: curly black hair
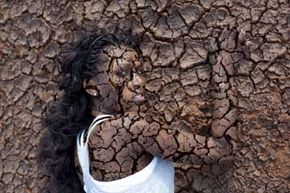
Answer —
(71, 112)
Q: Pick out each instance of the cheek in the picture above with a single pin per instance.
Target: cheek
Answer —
(110, 99)
(111, 103)
(105, 90)
(127, 95)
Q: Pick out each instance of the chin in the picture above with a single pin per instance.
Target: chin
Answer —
(131, 105)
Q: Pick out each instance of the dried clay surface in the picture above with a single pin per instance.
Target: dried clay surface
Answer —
(215, 76)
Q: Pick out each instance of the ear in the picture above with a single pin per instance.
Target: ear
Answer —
(90, 88)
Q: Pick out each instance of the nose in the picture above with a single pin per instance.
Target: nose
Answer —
(137, 81)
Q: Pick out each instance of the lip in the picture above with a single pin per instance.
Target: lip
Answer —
(139, 98)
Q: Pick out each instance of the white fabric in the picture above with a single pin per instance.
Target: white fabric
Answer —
(157, 177)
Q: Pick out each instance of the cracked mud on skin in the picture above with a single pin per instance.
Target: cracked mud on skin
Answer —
(159, 116)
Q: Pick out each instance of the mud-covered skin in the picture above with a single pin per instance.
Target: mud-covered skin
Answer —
(118, 80)
(33, 31)
(123, 143)
(161, 120)
(171, 122)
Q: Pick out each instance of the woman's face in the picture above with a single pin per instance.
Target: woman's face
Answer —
(119, 81)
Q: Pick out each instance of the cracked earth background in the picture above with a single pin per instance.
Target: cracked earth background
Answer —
(32, 33)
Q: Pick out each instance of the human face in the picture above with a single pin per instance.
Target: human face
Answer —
(118, 83)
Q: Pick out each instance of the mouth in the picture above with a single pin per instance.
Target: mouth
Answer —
(139, 98)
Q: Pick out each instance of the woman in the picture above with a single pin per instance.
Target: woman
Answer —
(104, 74)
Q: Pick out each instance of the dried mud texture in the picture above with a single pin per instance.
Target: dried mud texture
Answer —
(229, 60)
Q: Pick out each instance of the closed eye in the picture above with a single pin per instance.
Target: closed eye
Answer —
(122, 73)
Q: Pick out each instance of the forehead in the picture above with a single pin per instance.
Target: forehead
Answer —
(119, 54)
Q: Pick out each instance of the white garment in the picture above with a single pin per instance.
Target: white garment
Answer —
(157, 177)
